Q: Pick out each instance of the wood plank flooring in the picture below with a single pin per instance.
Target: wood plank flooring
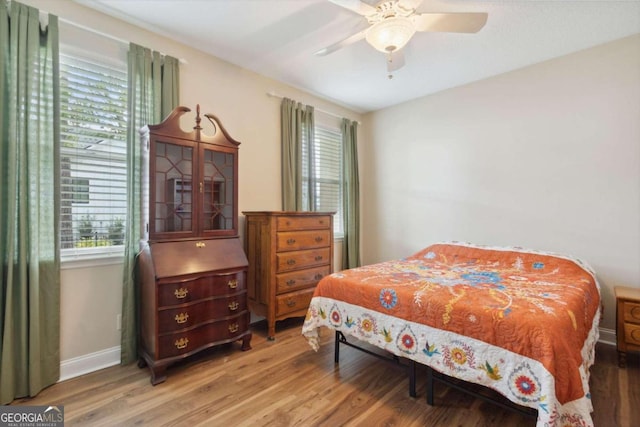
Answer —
(285, 383)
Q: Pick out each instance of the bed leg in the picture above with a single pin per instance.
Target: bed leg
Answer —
(336, 349)
(412, 378)
(429, 385)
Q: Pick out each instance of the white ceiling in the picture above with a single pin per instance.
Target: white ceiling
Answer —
(277, 38)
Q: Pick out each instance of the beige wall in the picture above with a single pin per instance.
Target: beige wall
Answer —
(546, 157)
(90, 301)
(91, 294)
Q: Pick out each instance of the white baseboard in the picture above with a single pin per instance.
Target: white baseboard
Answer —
(81, 365)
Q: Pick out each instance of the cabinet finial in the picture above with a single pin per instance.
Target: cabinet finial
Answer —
(198, 118)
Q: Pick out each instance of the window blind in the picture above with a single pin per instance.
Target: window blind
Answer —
(93, 129)
(325, 168)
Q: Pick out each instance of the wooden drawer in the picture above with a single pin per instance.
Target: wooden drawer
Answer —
(631, 312)
(300, 279)
(303, 223)
(297, 240)
(226, 330)
(204, 287)
(293, 301)
(189, 315)
(632, 333)
(289, 261)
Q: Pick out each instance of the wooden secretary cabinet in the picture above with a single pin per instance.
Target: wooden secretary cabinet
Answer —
(289, 252)
(192, 268)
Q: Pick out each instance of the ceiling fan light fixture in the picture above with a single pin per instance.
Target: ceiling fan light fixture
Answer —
(390, 34)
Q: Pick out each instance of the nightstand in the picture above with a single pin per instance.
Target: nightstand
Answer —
(628, 322)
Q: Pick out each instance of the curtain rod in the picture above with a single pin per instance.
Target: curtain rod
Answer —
(105, 35)
(275, 95)
(94, 31)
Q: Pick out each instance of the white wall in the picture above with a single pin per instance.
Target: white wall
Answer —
(91, 295)
(546, 157)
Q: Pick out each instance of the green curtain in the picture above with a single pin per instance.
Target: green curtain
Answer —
(29, 202)
(153, 94)
(350, 195)
(297, 124)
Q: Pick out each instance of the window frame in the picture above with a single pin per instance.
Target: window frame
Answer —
(327, 137)
(106, 54)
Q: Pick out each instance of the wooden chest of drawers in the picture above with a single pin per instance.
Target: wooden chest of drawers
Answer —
(628, 322)
(289, 252)
(193, 296)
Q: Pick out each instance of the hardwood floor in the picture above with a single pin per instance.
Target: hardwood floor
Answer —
(285, 383)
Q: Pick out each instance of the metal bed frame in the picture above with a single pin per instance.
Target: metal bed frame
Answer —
(341, 339)
(432, 377)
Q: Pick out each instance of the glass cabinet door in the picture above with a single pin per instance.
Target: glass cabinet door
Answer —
(218, 207)
(190, 181)
(174, 203)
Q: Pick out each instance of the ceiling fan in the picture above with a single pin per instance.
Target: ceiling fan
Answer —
(392, 23)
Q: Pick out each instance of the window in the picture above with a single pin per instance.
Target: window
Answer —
(326, 172)
(80, 190)
(93, 130)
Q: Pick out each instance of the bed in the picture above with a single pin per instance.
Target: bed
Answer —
(523, 323)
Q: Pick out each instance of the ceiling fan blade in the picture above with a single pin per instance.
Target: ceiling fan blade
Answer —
(339, 45)
(356, 6)
(409, 4)
(395, 60)
(450, 22)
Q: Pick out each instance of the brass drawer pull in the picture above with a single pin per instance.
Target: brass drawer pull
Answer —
(233, 306)
(318, 276)
(234, 328)
(181, 293)
(319, 239)
(319, 258)
(181, 318)
(291, 282)
(291, 303)
(321, 221)
(291, 261)
(232, 283)
(200, 245)
(181, 343)
(291, 241)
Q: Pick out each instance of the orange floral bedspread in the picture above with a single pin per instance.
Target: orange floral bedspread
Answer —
(524, 323)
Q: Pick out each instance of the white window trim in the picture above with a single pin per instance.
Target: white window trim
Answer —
(91, 257)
